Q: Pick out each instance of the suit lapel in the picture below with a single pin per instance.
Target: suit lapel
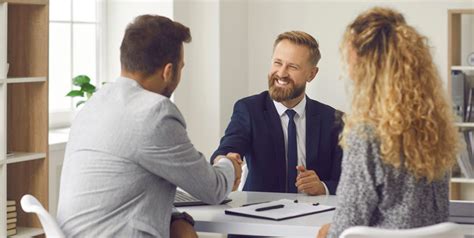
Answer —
(276, 132)
(313, 128)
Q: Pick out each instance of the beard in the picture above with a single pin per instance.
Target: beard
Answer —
(281, 94)
(169, 89)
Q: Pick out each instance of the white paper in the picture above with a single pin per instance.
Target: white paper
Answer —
(290, 210)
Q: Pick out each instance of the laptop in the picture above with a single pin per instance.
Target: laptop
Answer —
(183, 199)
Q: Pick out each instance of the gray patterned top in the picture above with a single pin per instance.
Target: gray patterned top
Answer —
(371, 193)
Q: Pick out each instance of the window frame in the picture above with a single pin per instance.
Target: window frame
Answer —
(63, 118)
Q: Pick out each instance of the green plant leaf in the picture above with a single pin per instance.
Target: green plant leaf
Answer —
(88, 88)
(80, 102)
(81, 80)
(75, 93)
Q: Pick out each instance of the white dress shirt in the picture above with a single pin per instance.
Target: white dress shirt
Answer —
(300, 121)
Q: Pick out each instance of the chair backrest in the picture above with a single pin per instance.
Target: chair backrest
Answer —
(31, 205)
(442, 230)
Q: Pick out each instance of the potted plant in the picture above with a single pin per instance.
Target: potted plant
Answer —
(86, 89)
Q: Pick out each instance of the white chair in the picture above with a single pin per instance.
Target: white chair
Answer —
(442, 230)
(31, 205)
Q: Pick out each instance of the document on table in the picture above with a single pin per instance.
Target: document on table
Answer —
(278, 210)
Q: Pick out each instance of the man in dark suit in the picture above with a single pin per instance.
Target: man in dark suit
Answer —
(289, 141)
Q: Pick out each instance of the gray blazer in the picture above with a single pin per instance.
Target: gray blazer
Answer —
(128, 150)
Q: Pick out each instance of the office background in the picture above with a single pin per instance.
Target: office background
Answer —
(230, 54)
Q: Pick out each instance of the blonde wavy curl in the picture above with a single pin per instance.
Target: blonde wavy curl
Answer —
(398, 90)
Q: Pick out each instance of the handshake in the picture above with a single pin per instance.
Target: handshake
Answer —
(237, 162)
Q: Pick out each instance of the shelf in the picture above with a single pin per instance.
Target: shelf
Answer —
(22, 156)
(28, 232)
(26, 79)
(461, 11)
(31, 2)
(463, 68)
(465, 124)
(462, 180)
(24, 25)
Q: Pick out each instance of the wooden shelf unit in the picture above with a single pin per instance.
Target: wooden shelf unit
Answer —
(24, 32)
(455, 62)
(22, 232)
(28, 2)
(18, 157)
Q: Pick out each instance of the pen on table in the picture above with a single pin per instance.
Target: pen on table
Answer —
(254, 203)
(260, 209)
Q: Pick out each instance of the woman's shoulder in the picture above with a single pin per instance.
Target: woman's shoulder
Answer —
(363, 144)
(362, 134)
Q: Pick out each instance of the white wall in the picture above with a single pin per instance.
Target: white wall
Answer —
(216, 71)
(326, 21)
(234, 56)
(197, 95)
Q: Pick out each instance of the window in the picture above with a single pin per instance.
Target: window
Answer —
(74, 48)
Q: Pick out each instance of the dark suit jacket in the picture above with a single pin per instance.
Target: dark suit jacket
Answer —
(255, 132)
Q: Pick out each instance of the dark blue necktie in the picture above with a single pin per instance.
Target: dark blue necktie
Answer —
(292, 153)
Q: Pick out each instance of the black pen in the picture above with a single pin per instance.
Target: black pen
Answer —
(269, 208)
(255, 203)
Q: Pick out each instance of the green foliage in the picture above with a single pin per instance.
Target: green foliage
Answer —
(86, 89)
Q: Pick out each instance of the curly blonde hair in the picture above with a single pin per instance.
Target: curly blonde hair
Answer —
(398, 90)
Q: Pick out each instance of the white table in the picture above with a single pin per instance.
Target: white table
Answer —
(212, 218)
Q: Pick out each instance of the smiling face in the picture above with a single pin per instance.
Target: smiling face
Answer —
(290, 71)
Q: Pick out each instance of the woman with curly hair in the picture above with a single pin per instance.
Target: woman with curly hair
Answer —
(399, 140)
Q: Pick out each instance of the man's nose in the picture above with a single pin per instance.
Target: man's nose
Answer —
(282, 72)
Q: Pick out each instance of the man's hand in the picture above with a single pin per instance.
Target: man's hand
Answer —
(182, 229)
(308, 182)
(237, 162)
(323, 232)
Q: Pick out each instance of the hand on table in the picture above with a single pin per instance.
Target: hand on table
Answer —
(323, 231)
(308, 182)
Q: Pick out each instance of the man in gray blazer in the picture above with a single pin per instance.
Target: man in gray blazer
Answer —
(128, 147)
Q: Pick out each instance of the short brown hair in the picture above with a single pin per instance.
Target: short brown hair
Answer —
(302, 38)
(150, 42)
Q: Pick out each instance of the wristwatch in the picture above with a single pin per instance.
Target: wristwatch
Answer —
(182, 215)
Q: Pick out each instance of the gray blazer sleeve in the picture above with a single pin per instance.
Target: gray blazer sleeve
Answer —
(357, 190)
(168, 153)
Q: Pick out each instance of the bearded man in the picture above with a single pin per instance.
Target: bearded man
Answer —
(289, 141)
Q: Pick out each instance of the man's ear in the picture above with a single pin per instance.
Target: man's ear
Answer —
(314, 72)
(168, 72)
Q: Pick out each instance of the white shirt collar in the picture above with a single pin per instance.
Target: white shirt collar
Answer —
(299, 108)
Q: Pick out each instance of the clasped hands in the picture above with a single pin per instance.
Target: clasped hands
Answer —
(307, 181)
(237, 162)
